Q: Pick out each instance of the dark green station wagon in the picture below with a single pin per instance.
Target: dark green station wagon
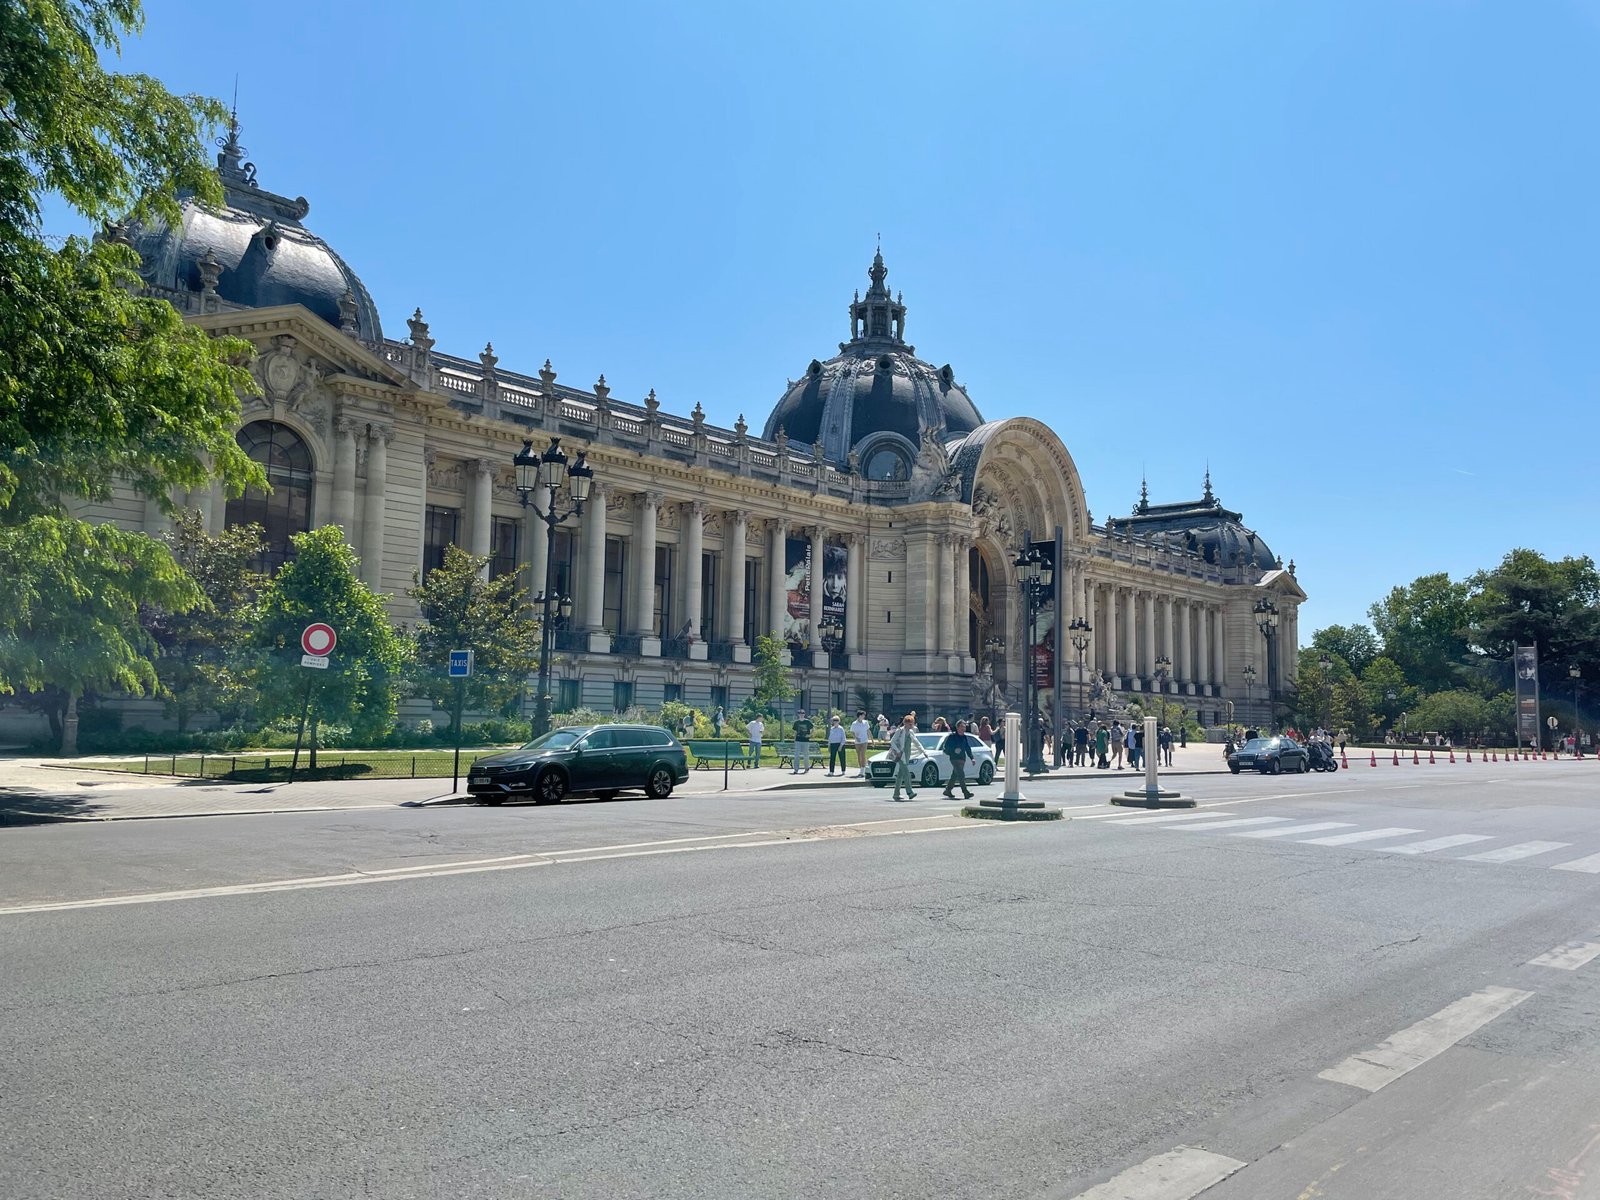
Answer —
(583, 760)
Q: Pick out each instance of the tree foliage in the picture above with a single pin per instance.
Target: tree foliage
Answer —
(1531, 600)
(1424, 629)
(197, 667)
(773, 682)
(462, 610)
(359, 686)
(1356, 645)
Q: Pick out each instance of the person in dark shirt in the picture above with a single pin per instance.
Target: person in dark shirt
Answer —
(959, 751)
(802, 743)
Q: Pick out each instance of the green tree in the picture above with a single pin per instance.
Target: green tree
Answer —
(1458, 714)
(97, 385)
(358, 688)
(1387, 692)
(1357, 645)
(773, 681)
(461, 610)
(1424, 630)
(199, 646)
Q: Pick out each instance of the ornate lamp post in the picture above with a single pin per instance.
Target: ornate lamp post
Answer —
(535, 471)
(1249, 688)
(1267, 621)
(1576, 673)
(1037, 574)
(1163, 673)
(1080, 631)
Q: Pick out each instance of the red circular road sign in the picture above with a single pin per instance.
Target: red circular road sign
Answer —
(318, 639)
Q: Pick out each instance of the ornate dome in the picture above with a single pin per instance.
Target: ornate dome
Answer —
(1201, 527)
(875, 390)
(254, 252)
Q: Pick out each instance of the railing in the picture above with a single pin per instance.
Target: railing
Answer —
(721, 652)
(838, 660)
(569, 641)
(676, 647)
(626, 643)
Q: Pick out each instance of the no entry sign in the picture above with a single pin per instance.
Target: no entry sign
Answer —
(318, 639)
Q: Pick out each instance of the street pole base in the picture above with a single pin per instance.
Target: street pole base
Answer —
(1159, 798)
(1011, 810)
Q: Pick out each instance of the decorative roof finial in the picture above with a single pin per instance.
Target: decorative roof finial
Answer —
(1144, 494)
(1208, 498)
(347, 313)
(878, 273)
(230, 162)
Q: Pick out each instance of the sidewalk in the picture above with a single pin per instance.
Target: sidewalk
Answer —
(35, 791)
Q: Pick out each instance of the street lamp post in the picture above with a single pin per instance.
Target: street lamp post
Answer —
(1080, 630)
(1576, 672)
(1163, 673)
(1249, 689)
(535, 471)
(1326, 664)
(1037, 573)
(1267, 621)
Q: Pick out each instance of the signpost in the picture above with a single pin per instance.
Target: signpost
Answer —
(317, 641)
(459, 669)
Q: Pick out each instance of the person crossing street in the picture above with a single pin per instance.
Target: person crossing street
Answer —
(904, 746)
(958, 750)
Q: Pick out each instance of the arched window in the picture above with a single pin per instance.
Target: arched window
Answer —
(887, 463)
(286, 510)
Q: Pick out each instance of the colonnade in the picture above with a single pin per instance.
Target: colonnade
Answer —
(1134, 626)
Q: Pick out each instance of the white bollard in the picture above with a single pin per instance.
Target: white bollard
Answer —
(1152, 757)
(1014, 752)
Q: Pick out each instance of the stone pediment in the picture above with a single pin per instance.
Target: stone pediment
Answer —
(1281, 581)
(329, 352)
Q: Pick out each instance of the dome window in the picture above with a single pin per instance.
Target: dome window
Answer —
(946, 375)
(887, 464)
(815, 369)
(885, 363)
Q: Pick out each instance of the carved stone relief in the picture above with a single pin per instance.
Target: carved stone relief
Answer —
(887, 549)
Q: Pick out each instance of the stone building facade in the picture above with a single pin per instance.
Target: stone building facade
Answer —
(875, 475)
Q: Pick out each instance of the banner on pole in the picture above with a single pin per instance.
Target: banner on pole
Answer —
(1526, 661)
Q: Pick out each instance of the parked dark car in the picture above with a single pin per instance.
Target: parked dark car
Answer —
(1270, 755)
(583, 760)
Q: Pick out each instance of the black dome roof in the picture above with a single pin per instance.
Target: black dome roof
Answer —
(875, 384)
(1203, 527)
(260, 252)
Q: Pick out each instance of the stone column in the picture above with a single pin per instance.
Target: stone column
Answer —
(777, 583)
(482, 472)
(1183, 665)
(344, 477)
(733, 527)
(592, 595)
(1203, 649)
(944, 588)
(538, 539)
(814, 591)
(1113, 660)
(963, 599)
(693, 543)
(1167, 646)
(372, 531)
(852, 595)
(1149, 634)
(1219, 652)
(645, 576)
(1130, 633)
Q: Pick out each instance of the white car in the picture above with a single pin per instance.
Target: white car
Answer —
(933, 770)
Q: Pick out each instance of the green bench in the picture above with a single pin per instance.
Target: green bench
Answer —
(710, 753)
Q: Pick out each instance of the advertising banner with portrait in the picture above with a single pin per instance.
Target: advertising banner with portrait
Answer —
(1042, 654)
(835, 575)
(1526, 661)
(797, 587)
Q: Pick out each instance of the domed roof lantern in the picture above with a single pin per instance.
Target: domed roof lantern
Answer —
(878, 316)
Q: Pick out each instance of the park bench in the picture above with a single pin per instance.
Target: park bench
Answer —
(710, 753)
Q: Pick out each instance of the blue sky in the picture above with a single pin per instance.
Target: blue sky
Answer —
(1345, 250)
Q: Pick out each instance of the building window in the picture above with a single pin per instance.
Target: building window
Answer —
(671, 693)
(440, 527)
(621, 697)
(887, 463)
(286, 511)
(616, 571)
(568, 694)
(661, 604)
(719, 697)
(710, 563)
(560, 564)
(503, 546)
(752, 601)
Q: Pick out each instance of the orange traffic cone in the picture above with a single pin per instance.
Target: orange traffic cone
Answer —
(1432, 762)
(1452, 755)
(1374, 758)
(1343, 761)
(1415, 761)
(1469, 756)
(1397, 758)
(1496, 757)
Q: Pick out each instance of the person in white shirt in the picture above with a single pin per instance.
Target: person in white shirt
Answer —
(862, 732)
(755, 729)
(835, 744)
(904, 746)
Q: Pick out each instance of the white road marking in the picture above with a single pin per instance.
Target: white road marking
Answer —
(1438, 843)
(727, 841)
(1590, 865)
(1176, 1175)
(1512, 853)
(1568, 956)
(1235, 823)
(1366, 835)
(1429, 1037)
(1291, 830)
(1185, 816)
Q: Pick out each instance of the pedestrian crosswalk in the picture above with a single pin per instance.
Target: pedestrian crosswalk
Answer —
(1388, 839)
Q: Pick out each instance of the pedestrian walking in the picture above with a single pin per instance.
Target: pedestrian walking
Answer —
(1080, 744)
(904, 747)
(835, 744)
(1164, 741)
(985, 731)
(959, 751)
(862, 732)
(1102, 744)
(802, 743)
(1183, 735)
(1119, 742)
(754, 729)
(716, 723)
(883, 728)
(1136, 737)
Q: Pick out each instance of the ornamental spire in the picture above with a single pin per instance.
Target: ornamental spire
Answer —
(1209, 497)
(877, 316)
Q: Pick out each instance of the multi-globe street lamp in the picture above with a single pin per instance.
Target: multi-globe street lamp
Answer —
(1080, 631)
(1037, 573)
(1249, 689)
(546, 471)
(1163, 673)
(1267, 621)
(1576, 673)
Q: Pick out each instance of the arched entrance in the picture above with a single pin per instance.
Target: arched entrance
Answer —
(286, 510)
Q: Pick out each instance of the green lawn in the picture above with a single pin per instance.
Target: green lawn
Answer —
(267, 765)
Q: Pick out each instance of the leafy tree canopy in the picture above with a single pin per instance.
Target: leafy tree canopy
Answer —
(461, 610)
(1357, 645)
(1423, 626)
(1532, 600)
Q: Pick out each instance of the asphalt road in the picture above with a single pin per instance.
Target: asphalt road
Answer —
(1381, 983)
